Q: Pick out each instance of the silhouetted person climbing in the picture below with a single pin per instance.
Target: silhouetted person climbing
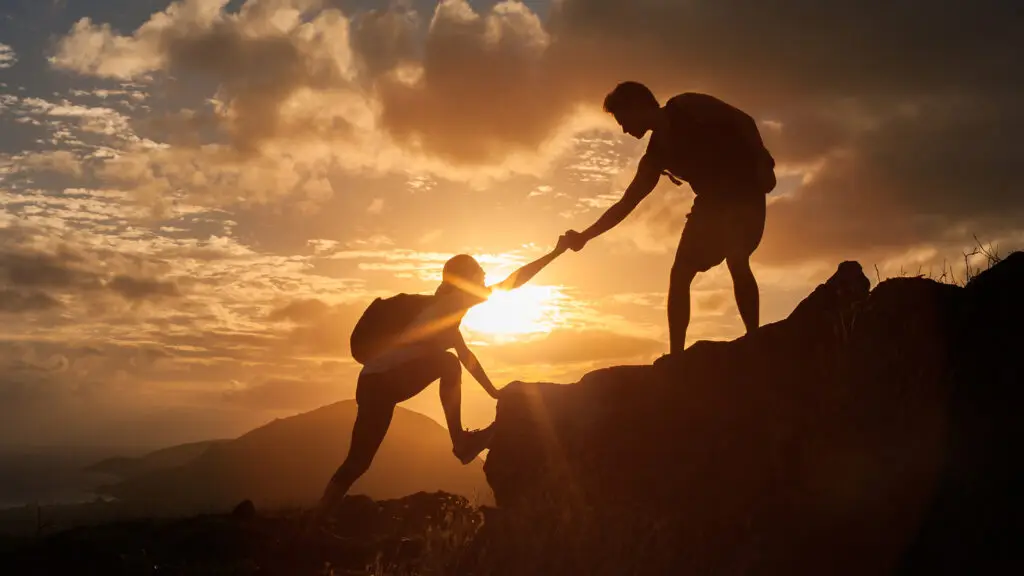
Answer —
(718, 150)
(403, 343)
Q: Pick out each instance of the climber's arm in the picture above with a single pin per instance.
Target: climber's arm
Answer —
(528, 271)
(646, 178)
(469, 360)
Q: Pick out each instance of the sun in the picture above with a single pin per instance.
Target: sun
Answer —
(508, 315)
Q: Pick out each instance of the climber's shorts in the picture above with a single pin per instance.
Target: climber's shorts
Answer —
(406, 379)
(718, 229)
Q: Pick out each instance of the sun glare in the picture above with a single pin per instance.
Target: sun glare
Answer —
(507, 315)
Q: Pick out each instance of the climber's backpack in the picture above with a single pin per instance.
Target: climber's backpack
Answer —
(383, 322)
(718, 139)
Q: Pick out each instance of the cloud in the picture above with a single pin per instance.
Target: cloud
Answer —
(72, 208)
(937, 176)
(820, 49)
(294, 76)
(300, 311)
(14, 301)
(571, 346)
(259, 56)
(207, 300)
(712, 302)
(897, 146)
(386, 39)
(31, 275)
(60, 270)
(301, 88)
(649, 300)
(133, 95)
(97, 120)
(43, 391)
(8, 57)
(214, 176)
(52, 395)
(81, 361)
(283, 394)
(98, 50)
(142, 288)
(86, 387)
(472, 64)
(322, 329)
(375, 207)
(56, 161)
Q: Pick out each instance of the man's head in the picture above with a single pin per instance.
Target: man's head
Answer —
(465, 273)
(634, 107)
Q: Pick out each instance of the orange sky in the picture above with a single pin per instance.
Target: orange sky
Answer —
(196, 200)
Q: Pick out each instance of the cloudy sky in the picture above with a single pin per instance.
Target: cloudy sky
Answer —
(197, 198)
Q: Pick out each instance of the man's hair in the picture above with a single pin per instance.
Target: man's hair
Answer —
(626, 95)
(455, 277)
(461, 267)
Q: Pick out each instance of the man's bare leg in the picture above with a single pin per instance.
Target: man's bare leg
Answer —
(745, 288)
(451, 397)
(465, 445)
(371, 425)
(377, 396)
(679, 306)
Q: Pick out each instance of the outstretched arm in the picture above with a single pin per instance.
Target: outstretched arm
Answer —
(646, 178)
(469, 360)
(527, 272)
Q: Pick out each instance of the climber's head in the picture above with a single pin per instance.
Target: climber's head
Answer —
(634, 107)
(463, 273)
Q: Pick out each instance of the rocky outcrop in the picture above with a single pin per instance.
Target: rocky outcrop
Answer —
(869, 432)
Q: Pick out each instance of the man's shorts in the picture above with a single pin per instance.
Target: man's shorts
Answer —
(717, 229)
(404, 379)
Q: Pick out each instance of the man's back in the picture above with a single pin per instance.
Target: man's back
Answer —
(712, 145)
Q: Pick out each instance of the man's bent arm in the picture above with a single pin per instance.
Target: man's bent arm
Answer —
(469, 360)
(646, 178)
(527, 272)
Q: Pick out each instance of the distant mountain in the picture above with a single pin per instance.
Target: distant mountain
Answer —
(289, 461)
(127, 468)
(49, 475)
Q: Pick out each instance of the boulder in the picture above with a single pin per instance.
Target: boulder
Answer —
(869, 432)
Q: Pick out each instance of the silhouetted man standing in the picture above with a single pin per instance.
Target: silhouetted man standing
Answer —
(718, 150)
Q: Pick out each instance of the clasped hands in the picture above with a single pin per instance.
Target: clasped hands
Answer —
(571, 240)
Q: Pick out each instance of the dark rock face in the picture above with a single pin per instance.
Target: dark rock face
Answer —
(866, 433)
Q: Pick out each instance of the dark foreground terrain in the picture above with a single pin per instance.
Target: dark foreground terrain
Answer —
(419, 534)
(873, 431)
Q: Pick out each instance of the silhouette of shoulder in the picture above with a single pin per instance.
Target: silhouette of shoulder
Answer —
(703, 115)
(702, 136)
